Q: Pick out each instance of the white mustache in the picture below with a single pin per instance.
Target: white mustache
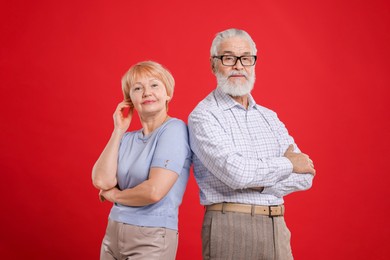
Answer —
(235, 73)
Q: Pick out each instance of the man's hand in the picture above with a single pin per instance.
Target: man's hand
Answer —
(300, 161)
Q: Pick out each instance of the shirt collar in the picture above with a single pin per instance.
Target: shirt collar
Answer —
(227, 102)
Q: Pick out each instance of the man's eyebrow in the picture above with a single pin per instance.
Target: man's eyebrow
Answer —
(232, 53)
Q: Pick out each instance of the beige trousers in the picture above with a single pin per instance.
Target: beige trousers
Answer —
(123, 241)
(235, 236)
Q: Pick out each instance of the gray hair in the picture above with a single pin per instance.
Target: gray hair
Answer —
(221, 36)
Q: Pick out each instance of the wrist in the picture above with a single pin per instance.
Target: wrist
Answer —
(115, 195)
(118, 132)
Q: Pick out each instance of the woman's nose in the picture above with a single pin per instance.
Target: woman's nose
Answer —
(146, 92)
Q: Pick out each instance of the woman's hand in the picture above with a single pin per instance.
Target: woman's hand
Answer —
(108, 195)
(121, 119)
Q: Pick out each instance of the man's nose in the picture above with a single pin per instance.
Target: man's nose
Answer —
(238, 65)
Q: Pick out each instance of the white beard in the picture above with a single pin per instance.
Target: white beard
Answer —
(233, 88)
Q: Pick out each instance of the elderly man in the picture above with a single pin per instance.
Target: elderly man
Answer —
(244, 160)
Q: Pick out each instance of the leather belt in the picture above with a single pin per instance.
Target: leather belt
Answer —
(272, 211)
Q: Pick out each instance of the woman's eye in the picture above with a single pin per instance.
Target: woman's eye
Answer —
(136, 88)
(154, 85)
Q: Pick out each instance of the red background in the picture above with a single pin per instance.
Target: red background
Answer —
(323, 66)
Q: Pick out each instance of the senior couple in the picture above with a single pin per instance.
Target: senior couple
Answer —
(244, 160)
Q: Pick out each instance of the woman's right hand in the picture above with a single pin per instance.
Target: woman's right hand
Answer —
(121, 120)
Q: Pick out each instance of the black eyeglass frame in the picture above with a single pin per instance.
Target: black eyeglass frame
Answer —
(237, 58)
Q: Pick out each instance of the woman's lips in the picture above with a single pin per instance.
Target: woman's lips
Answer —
(148, 102)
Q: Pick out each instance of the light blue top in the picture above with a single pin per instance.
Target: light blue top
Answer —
(166, 147)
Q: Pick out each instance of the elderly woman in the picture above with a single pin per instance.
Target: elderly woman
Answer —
(144, 173)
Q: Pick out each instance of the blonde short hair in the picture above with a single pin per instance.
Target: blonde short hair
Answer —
(147, 68)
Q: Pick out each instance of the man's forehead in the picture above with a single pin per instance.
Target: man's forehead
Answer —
(235, 45)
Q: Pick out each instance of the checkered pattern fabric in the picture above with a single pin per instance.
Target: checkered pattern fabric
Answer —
(237, 149)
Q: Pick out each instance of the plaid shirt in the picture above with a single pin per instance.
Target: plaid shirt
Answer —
(236, 149)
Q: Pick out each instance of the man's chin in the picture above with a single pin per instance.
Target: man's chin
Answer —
(237, 80)
(238, 94)
(236, 91)
(235, 86)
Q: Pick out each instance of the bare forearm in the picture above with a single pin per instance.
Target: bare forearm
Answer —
(140, 195)
(148, 192)
(105, 168)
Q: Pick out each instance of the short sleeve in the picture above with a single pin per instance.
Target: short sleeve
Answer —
(172, 150)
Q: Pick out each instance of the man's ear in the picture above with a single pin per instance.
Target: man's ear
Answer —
(212, 65)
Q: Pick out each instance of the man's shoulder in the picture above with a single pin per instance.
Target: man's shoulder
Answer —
(209, 103)
(269, 115)
(265, 110)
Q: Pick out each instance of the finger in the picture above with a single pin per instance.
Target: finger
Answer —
(121, 109)
(312, 170)
(130, 112)
(101, 197)
(118, 110)
(128, 102)
(290, 148)
(123, 105)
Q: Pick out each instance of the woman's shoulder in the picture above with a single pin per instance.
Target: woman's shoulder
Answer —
(175, 122)
(174, 126)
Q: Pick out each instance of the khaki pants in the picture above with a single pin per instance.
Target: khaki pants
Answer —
(123, 241)
(235, 236)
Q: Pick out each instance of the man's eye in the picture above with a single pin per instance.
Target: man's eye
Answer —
(228, 58)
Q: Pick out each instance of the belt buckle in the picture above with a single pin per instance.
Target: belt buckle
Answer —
(223, 207)
(270, 210)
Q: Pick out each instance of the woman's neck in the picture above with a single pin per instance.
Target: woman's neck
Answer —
(150, 123)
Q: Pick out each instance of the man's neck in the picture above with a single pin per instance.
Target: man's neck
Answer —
(243, 100)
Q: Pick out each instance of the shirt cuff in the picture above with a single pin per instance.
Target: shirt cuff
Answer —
(284, 166)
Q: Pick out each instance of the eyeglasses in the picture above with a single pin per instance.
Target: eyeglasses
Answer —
(230, 60)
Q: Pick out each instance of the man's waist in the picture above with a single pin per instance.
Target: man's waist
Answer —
(272, 211)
